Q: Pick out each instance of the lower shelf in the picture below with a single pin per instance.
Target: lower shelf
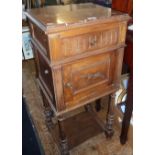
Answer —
(78, 129)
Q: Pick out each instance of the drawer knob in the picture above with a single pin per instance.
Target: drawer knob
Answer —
(93, 43)
(68, 85)
(46, 71)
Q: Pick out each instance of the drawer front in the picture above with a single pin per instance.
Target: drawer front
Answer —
(42, 38)
(83, 40)
(88, 77)
(45, 75)
(89, 42)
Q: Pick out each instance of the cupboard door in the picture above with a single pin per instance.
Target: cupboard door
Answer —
(88, 77)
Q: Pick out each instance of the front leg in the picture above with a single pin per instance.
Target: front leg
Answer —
(49, 114)
(63, 139)
(48, 117)
(110, 118)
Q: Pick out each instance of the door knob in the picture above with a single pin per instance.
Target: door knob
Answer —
(68, 85)
(46, 71)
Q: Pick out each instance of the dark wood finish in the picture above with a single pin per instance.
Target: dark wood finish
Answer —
(45, 75)
(47, 111)
(41, 37)
(110, 117)
(35, 58)
(63, 139)
(81, 127)
(128, 60)
(98, 105)
(128, 113)
(79, 50)
(95, 116)
(123, 5)
(128, 54)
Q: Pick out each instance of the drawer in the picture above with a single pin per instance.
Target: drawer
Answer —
(86, 40)
(41, 38)
(87, 77)
(89, 42)
(45, 75)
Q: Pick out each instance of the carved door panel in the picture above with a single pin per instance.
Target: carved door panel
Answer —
(86, 78)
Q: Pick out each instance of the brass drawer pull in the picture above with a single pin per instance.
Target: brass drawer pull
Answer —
(91, 76)
(46, 71)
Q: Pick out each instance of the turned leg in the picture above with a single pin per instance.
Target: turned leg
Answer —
(110, 118)
(48, 117)
(98, 105)
(63, 139)
(47, 112)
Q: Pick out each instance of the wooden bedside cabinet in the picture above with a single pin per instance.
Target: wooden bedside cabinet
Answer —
(78, 51)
